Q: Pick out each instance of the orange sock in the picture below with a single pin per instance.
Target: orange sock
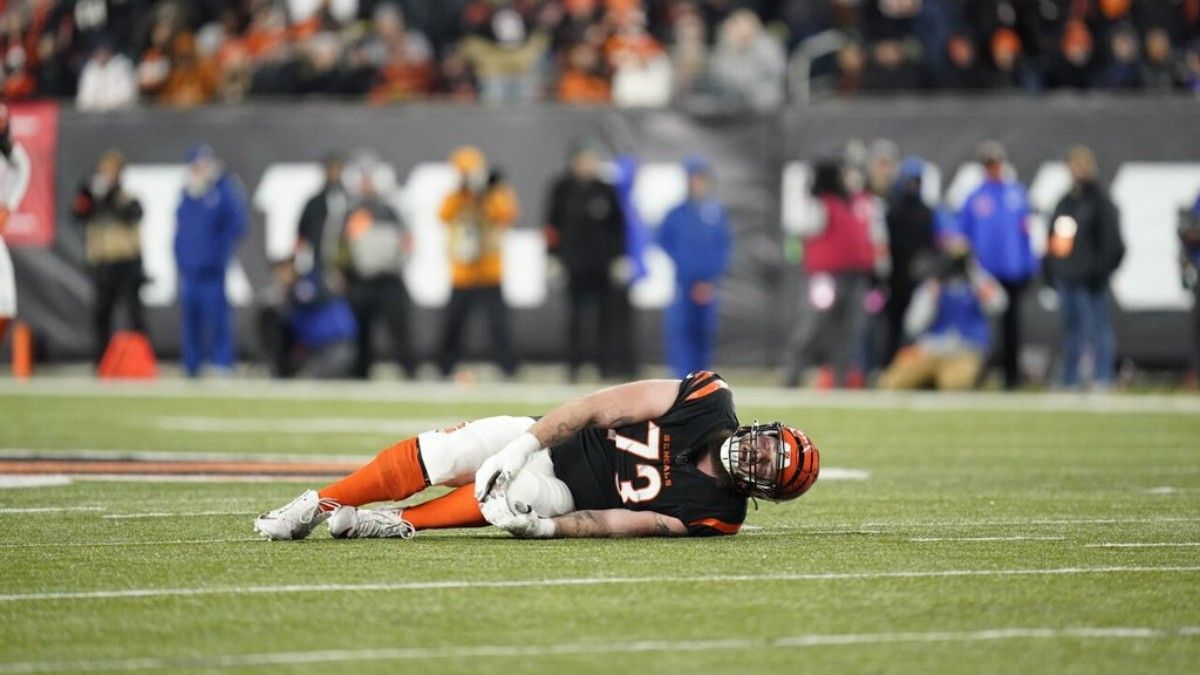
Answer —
(395, 474)
(456, 509)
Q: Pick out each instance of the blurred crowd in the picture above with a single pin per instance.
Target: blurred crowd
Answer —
(747, 53)
(894, 287)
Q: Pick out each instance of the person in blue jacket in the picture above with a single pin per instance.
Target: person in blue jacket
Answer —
(210, 220)
(696, 236)
(995, 220)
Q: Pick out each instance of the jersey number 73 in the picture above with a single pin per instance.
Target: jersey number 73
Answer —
(648, 476)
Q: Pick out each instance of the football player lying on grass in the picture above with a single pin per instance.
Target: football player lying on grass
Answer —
(648, 458)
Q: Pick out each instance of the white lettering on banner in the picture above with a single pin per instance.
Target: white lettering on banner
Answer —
(281, 194)
(658, 188)
(1149, 195)
(158, 187)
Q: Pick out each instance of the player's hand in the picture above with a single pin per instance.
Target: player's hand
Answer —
(504, 464)
(3, 220)
(521, 522)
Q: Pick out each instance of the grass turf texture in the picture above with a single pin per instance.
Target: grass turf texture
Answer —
(934, 474)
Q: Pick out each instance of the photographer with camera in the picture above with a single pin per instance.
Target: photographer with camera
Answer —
(948, 321)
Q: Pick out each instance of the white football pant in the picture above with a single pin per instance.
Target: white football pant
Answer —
(452, 456)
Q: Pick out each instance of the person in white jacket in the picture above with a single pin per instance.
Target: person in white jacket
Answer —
(107, 82)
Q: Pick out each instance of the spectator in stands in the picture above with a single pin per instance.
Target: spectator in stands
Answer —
(107, 81)
(851, 68)
(1073, 67)
(307, 330)
(112, 219)
(641, 69)
(1189, 263)
(457, 78)
(210, 220)
(584, 79)
(1123, 71)
(697, 237)
(689, 54)
(838, 262)
(375, 243)
(995, 220)
(403, 57)
(948, 320)
(193, 80)
(585, 230)
(910, 233)
(1161, 70)
(154, 65)
(507, 58)
(1012, 67)
(963, 71)
(319, 232)
(477, 214)
(748, 63)
(1084, 250)
(894, 66)
(1191, 69)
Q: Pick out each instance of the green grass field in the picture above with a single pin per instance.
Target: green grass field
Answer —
(982, 539)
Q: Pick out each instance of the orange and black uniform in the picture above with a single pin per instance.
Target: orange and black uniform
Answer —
(476, 224)
(651, 466)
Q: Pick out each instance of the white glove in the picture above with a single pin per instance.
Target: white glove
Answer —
(522, 523)
(505, 463)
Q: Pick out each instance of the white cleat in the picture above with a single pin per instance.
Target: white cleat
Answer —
(296, 520)
(349, 522)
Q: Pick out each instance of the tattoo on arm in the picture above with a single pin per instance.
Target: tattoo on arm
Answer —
(577, 524)
(661, 528)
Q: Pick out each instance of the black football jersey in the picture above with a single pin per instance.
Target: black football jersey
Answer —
(651, 466)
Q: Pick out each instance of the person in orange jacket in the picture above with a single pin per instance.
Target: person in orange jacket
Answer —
(477, 214)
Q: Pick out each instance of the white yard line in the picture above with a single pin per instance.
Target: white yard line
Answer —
(603, 648)
(51, 509)
(161, 456)
(1138, 544)
(176, 514)
(584, 581)
(176, 542)
(395, 426)
(10, 481)
(545, 393)
(1014, 538)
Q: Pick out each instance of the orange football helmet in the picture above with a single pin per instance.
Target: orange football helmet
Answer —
(771, 461)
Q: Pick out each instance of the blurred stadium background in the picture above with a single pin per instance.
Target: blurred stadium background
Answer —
(984, 532)
(762, 92)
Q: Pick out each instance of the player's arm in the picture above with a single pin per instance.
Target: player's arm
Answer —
(612, 523)
(611, 407)
(617, 523)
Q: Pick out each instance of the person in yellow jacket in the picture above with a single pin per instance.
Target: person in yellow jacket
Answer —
(477, 214)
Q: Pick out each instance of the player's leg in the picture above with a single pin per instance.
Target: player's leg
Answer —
(535, 486)
(447, 457)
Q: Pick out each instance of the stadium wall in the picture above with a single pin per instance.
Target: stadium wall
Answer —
(1153, 142)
